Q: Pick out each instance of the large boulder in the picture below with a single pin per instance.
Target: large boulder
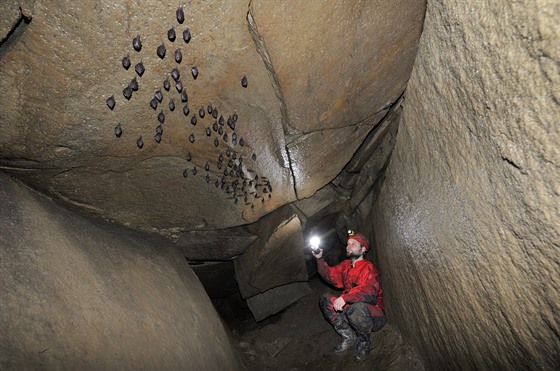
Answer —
(80, 293)
(467, 224)
(320, 76)
(271, 273)
(280, 97)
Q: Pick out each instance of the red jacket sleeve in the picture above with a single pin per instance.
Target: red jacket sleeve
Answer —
(367, 288)
(331, 274)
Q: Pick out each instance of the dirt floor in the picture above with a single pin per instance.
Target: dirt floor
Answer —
(300, 339)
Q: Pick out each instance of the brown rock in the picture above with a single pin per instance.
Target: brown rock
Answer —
(313, 161)
(330, 75)
(275, 258)
(78, 292)
(372, 170)
(372, 142)
(467, 222)
(324, 201)
(57, 131)
(11, 15)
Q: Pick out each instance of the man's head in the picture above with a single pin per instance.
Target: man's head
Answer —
(357, 245)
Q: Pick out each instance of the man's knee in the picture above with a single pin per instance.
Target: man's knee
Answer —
(326, 303)
(358, 312)
(327, 296)
(360, 317)
(378, 323)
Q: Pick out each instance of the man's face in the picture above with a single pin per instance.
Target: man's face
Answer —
(353, 248)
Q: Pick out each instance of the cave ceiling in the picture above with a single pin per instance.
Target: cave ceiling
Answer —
(197, 116)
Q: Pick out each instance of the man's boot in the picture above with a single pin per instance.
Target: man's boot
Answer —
(363, 347)
(348, 337)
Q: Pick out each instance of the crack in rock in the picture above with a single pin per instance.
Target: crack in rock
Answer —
(261, 49)
(18, 26)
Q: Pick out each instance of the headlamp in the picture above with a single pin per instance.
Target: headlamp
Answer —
(351, 233)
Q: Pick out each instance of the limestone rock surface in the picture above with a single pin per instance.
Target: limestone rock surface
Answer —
(80, 293)
(314, 161)
(10, 17)
(467, 223)
(324, 202)
(316, 85)
(318, 50)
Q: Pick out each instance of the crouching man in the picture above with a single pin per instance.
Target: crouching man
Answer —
(359, 310)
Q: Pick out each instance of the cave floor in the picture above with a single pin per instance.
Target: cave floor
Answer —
(300, 339)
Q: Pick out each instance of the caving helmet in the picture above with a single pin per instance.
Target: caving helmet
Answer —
(359, 237)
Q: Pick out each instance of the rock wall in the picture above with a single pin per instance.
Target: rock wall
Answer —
(467, 221)
(78, 293)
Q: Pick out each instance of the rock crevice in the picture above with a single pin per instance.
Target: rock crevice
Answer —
(15, 17)
(267, 61)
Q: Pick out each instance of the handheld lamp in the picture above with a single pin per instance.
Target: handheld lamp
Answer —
(315, 242)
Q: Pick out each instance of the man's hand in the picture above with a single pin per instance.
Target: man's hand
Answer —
(339, 304)
(317, 255)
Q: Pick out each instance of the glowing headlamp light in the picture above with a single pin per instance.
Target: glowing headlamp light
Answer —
(351, 233)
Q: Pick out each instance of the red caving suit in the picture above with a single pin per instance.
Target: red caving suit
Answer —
(360, 283)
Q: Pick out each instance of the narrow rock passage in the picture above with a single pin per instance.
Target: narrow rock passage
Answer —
(300, 339)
